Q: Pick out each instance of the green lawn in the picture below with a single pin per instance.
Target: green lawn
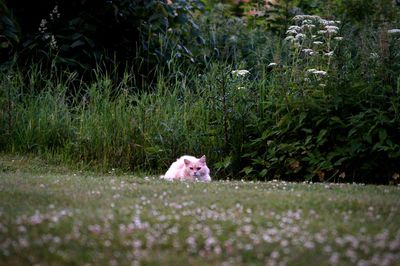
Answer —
(57, 216)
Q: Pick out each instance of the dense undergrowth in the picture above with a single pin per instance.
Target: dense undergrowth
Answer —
(319, 101)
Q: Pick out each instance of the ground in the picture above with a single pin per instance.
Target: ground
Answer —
(53, 215)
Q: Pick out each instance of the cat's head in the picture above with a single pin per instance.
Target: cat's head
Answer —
(196, 168)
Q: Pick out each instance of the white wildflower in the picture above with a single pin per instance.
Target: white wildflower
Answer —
(374, 56)
(289, 38)
(308, 51)
(331, 31)
(295, 28)
(54, 13)
(300, 36)
(305, 17)
(233, 38)
(311, 70)
(53, 42)
(329, 53)
(272, 64)
(331, 27)
(327, 22)
(36, 218)
(317, 72)
(291, 32)
(43, 26)
(320, 72)
(317, 42)
(393, 31)
(307, 21)
(338, 38)
(242, 72)
(308, 26)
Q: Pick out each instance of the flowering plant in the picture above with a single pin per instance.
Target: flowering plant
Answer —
(313, 41)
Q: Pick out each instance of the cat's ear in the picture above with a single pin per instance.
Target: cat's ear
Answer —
(186, 161)
(203, 159)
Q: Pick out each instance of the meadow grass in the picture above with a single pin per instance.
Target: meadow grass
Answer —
(55, 215)
(311, 107)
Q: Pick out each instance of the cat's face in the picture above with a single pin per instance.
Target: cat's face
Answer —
(196, 168)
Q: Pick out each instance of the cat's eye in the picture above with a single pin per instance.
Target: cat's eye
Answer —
(198, 168)
(191, 168)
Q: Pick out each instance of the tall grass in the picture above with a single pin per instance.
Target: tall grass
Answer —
(111, 127)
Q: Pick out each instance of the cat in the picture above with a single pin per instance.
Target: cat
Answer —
(189, 168)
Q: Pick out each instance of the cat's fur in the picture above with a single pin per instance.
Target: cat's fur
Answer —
(189, 168)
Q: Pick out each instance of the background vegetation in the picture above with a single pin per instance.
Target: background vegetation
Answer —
(135, 84)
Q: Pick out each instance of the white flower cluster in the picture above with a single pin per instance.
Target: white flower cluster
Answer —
(317, 72)
(240, 73)
(43, 26)
(313, 32)
(394, 31)
(54, 14)
(313, 41)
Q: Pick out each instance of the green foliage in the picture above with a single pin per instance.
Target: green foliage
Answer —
(319, 103)
(9, 33)
(370, 12)
(81, 35)
(343, 130)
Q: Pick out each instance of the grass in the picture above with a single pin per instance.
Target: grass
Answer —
(54, 215)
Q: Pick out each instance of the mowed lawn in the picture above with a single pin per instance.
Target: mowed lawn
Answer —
(57, 216)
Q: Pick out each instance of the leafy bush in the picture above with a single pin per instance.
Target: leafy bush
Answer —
(342, 129)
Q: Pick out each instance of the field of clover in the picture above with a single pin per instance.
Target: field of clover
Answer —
(60, 216)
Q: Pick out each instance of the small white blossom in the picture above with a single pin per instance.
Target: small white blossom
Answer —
(317, 72)
(291, 32)
(308, 26)
(294, 27)
(331, 31)
(330, 27)
(329, 53)
(374, 56)
(308, 51)
(289, 38)
(242, 72)
(307, 21)
(317, 42)
(393, 31)
(320, 72)
(233, 38)
(300, 36)
(311, 70)
(272, 64)
(43, 26)
(327, 22)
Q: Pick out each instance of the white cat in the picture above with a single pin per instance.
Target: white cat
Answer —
(189, 168)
